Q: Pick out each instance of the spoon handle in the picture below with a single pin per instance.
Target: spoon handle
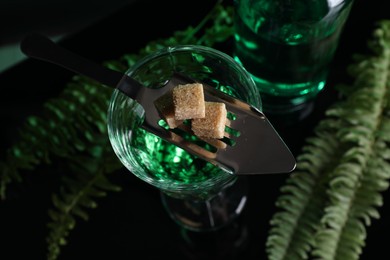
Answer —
(40, 47)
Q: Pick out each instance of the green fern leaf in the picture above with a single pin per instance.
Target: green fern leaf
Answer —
(77, 195)
(349, 189)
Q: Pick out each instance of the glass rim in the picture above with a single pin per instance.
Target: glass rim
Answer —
(200, 48)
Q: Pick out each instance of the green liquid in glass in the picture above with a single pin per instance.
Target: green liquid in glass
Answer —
(164, 161)
(287, 46)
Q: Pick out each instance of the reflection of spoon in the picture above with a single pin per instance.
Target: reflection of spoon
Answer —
(256, 148)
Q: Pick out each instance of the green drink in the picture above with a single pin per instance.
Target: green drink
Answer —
(287, 46)
(158, 162)
(164, 161)
(163, 164)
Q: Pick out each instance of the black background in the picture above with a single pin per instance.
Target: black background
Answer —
(133, 222)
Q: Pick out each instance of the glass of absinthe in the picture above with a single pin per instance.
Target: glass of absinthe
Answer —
(198, 195)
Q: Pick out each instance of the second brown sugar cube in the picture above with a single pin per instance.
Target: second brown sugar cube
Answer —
(213, 124)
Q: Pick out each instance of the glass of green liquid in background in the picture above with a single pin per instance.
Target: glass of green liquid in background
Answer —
(287, 46)
(197, 195)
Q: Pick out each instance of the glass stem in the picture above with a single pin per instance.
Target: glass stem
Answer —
(210, 213)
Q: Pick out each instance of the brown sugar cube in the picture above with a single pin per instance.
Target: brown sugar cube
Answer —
(188, 100)
(165, 107)
(213, 124)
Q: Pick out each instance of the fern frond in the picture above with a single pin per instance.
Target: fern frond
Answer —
(77, 195)
(80, 108)
(349, 189)
(355, 185)
(303, 201)
(73, 128)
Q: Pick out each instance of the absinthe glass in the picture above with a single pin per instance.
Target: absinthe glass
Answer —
(174, 171)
